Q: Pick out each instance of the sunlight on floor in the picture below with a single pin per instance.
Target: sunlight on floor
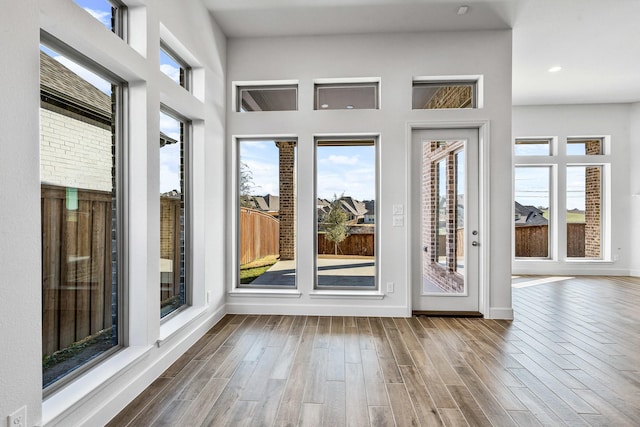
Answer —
(536, 281)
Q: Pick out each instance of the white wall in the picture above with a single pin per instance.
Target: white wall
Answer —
(20, 328)
(564, 121)
(395, 59)
(634, 182)
(93, 398)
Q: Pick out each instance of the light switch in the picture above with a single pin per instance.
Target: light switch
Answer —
(398, 209)
(398, 221)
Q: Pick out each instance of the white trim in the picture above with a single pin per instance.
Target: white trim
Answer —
(635, 272)
(278, 308)
(338, 80)
(177, 323)
(484, 154)
(83, 388)
(505, 313)
(265, 293)
(347, 294)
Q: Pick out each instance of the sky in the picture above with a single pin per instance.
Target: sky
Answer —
(348, 170)
(532, 186)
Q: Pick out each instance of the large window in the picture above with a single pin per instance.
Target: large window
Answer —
(174, 216)
(81, 198)
(346, 214)
(531, 211)
(570, 173)
(267, 213)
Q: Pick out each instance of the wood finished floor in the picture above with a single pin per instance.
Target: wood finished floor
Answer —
(570, 357)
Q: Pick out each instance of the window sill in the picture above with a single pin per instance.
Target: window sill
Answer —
(274, 293)
(177, 322)
(93, 380)
(587, 261)
(350, 294)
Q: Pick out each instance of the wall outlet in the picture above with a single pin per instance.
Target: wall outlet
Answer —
(390, 287)
(18, 418)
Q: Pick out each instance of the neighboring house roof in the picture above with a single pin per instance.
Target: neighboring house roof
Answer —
(529, 215)
(64, 85)
(166, 139)
(370, 206)
(268, 203)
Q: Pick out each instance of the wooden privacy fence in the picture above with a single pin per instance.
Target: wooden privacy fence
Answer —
(76, 265)
(259, 235)
(533, 240)
(354, 244)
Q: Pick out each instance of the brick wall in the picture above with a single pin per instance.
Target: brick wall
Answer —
(451, 97)
(593, 207)
(442, 276)
(287, 212)
(74, 153)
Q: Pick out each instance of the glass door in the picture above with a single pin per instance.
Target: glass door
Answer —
(446, 240)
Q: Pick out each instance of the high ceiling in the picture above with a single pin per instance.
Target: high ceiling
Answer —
(596, 42)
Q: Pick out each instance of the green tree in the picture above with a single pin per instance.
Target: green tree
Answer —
(335, 223)
(246, 185)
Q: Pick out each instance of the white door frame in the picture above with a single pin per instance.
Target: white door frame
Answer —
(483, 127)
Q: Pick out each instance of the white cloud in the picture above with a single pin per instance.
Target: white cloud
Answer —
(341, 160)
(101, 15)
(171, 71)
(170, 168)
(85, 74)
(170, 126)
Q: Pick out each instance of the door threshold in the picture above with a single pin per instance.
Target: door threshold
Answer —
(433, 313)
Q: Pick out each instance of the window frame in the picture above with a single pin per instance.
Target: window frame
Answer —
(239, 87)
(186, 179)
(184, 65)
(341, 84)
(436, 81)
(348, 140)
(560, 161)
(120, 145)
(237, 236)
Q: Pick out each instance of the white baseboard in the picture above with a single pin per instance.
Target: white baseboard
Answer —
(317, 310)
(635, 272)
(505, 313)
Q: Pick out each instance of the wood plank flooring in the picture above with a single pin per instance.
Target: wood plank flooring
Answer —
(571, 357)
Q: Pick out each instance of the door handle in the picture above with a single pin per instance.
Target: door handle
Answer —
(474, 243)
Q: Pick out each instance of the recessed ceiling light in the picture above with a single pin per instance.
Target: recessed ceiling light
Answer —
(349, 107)
(462, 10)
(555, 69)
(325, 106)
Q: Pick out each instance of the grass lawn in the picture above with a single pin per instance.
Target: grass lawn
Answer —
(251, 270)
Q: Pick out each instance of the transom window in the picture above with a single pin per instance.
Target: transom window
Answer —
(346, 96)
(174, 67)
(109, 13)
(433, 95)
(274, 97)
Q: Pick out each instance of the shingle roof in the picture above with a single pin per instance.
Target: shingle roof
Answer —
(62, 83)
